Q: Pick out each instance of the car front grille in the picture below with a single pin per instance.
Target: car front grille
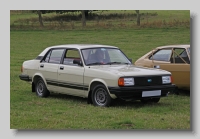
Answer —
(148, 80)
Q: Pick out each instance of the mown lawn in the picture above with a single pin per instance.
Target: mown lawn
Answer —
(27, 111)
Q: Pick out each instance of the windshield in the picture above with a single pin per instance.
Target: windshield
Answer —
(105, 56)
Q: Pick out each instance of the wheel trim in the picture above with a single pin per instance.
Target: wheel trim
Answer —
(40, 87)
(100, 96)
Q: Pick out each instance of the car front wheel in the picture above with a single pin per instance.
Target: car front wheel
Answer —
(100, 96)
(41, 89)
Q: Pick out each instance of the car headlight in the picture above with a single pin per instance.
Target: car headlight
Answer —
(126, 81)
(166, 79)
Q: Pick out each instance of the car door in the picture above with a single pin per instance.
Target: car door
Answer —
(70, 75)
(177, 62)
(49, 68)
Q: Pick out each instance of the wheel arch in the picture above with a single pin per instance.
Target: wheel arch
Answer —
(95, 82)
(34, 79)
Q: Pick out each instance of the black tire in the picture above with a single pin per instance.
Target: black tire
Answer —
(100, 96)
(155, 100)
(41, 89)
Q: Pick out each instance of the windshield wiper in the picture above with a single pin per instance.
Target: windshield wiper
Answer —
(126, 63)
(95, 63)
(116, 63)
(113, 63)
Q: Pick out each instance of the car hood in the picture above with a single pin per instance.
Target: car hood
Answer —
(129, 70)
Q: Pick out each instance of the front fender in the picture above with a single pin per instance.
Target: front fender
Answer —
(104, 83)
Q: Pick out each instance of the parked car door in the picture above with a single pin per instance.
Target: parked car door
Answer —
(175, 60)
(70, 75)
(49, 68)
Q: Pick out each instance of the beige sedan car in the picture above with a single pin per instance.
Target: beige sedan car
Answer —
(100, 73)
(173, 58)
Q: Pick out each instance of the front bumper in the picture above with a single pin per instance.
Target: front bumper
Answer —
(24, 77)
(128, 93)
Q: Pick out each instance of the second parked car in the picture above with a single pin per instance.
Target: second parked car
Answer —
(173, 58)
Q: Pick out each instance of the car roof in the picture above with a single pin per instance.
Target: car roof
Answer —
(174, 46)
(80, 46)
(77, 46)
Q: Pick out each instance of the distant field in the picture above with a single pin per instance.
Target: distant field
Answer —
(26, 20)
(27, 111)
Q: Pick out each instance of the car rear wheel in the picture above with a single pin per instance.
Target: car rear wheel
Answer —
(41, 89)
(100, 96)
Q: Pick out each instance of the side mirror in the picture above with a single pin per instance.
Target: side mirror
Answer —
(130, 60)
(75, 61)
(156, 66)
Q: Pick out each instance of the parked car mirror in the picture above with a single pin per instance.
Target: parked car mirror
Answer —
(75, 61)
(156, 66)
(130, 60)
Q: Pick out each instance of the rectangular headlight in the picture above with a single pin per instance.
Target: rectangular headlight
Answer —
(166, 79)
(126, 81)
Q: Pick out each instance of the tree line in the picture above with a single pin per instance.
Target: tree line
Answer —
(84, 14)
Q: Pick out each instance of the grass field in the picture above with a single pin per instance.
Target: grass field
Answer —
(27, 111)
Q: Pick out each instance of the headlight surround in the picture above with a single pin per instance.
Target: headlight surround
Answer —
(126, 81)
(166, 79)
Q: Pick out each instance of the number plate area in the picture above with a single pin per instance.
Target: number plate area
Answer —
(151, 93)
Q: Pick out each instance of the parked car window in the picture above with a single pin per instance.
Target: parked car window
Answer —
(189, 50)
(180, 52)
(47, 57)
(95, 55)
(161, 55)
(117, 56)
(55, 56)
(179, 56)
(70, 56)
(108, 55)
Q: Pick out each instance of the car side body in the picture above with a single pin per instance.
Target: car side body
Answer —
(173, 58)
(73, 69)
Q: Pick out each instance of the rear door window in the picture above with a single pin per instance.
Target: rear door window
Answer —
(54, 56)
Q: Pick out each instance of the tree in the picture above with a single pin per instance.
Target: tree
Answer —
(40, 18)
(138, 17)
(40, 12)
(83, 18)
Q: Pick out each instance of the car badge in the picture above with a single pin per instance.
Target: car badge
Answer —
(149, 80)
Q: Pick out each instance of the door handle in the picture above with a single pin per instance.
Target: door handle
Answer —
(61, 67)
(156, 66)
(42, 65)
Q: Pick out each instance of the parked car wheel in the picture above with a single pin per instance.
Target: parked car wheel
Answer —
(100, 96)
(41, 89)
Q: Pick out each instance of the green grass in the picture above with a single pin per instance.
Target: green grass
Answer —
(27, 111)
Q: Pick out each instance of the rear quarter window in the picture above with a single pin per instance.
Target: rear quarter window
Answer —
(54, 56)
